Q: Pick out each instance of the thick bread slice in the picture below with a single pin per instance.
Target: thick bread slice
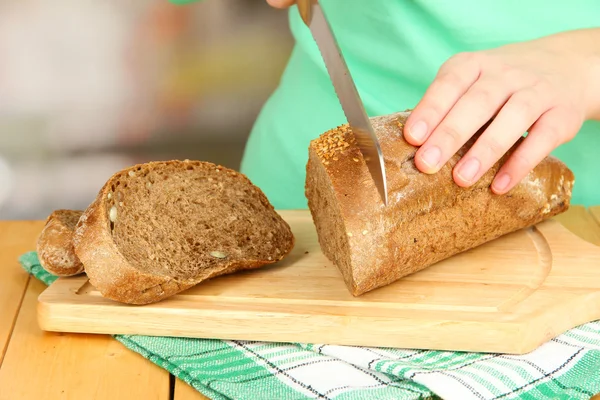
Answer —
(54, 245)
(428, 217)
(157, 229)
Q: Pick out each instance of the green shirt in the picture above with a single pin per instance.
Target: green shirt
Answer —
(394, 49)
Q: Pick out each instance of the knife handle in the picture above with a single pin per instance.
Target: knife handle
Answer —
(305, 9)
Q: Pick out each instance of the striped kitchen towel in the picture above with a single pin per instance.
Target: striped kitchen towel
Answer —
(567, 367)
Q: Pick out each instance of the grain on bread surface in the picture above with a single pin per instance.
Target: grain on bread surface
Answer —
(159, 228)
(54, 245)
(428, 218)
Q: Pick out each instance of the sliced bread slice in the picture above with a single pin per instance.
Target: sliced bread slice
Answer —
(159, 228)
(54, 245)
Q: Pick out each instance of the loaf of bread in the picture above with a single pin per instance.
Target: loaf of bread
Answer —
(55, 246)
(428, 217)
(159, 228)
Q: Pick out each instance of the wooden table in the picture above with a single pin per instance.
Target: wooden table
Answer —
(40, 365)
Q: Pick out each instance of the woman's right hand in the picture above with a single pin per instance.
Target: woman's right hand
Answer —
(281, 3)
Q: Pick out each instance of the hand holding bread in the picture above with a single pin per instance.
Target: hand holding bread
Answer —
(547, 87)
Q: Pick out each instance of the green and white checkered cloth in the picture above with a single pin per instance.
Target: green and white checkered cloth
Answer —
(567, 367)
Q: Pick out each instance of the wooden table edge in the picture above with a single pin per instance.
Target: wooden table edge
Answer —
(13, 322)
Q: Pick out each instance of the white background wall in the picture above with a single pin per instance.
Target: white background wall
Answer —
(88, 87)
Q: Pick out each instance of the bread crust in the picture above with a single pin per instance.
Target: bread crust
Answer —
(54, 245)
(116, 278)
(428, 218)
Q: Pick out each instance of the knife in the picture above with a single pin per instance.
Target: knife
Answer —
(313, 16)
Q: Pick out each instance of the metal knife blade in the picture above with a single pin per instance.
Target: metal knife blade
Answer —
(348, 96)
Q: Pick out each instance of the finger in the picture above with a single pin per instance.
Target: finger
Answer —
(553, 128)
(518, 114)
(281, 3)
(479, 104)
(453, 80)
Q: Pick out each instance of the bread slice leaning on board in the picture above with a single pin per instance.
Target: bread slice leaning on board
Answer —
(428, 217)
(159, 228)
(55, 244)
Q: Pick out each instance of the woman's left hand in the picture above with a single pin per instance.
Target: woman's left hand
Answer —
(547, 87)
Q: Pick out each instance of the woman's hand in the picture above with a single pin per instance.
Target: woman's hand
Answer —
(547, 87)
(281, 3)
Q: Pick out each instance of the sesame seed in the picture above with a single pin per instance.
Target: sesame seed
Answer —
(218, 254)
(112, 215)
(330, 144)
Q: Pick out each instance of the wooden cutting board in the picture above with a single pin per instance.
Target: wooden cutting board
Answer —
(509, 296)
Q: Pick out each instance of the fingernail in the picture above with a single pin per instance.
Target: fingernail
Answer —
(418, 130)
(431, 157)
(501, 182)
(469, 169)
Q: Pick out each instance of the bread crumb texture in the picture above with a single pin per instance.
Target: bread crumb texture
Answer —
(189, 219)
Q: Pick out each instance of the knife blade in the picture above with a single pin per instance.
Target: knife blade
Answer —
(314, 18)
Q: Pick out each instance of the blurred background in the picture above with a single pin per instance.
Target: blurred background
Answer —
(90, 87)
